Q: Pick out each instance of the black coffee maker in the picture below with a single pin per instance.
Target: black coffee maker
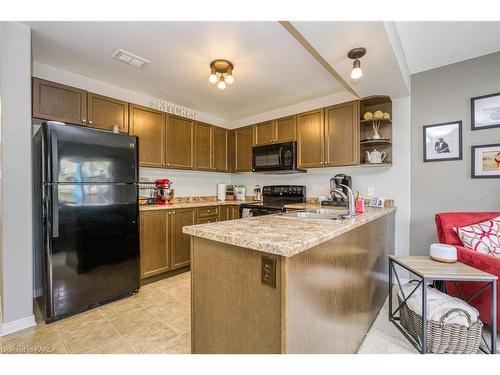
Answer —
(336, 181)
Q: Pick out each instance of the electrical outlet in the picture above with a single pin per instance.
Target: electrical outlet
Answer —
(268, 271)
(371, 191)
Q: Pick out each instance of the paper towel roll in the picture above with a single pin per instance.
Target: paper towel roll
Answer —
(221, 192)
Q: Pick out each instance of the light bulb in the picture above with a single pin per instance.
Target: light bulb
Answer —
(229, 79)
(221, 85)
(356, 72)
(212, 78)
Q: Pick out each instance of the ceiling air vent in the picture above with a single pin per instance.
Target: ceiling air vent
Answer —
(130, 58)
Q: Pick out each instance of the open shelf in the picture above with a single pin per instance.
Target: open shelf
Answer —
(370, 122)
(375, 142)
(370, 165)
(366, 132)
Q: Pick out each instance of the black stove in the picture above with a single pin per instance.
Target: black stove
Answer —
(274, 199)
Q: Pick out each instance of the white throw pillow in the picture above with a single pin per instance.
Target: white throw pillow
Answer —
(481, 237)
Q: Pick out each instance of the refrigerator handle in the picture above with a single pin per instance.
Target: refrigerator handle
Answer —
(54, 157)
(55, 211)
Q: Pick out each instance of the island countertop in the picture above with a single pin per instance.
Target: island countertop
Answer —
(280, 234)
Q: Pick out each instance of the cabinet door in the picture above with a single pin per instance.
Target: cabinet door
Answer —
(342, 134)
(149, 125)
(220, 143)
(53, 101)
(235, 212)
(264, 133)
(104, 112)
(243, 149)
(154, 243)
(180, 243)
(310, 139)
(224, 213)
(180, 142)
(203, 146)
(285, 129)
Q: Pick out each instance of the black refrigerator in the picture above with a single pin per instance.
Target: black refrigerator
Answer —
(85, 218)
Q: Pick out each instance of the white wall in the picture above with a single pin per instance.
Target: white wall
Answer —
(16, 218)
(391, 182)
(189, 183)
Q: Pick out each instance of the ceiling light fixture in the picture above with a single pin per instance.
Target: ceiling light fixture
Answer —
(130, 59)
(221, 72)
(356, 54)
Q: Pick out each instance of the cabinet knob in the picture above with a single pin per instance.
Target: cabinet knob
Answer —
(84, 120)
(168, 164)
(173, 213)
(170, 213)
(90, 122)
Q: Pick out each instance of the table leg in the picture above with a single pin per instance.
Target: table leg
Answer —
(493, 317)
(424, 315)
(390, 289)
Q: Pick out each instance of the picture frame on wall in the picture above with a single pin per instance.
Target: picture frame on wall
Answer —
(485, 161)
(443, 142)
(485, 111)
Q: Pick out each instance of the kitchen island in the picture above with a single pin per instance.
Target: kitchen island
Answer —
(284, 284)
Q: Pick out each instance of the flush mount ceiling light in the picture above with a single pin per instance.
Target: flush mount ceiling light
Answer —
(356, 54)
(130, 58)
(221, 72)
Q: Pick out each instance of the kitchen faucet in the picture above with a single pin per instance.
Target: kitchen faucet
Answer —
(347, 198)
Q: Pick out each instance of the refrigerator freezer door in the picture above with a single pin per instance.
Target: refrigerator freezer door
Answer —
(95, 255)
(80, 155)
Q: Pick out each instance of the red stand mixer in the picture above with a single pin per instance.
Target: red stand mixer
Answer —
(163, 193)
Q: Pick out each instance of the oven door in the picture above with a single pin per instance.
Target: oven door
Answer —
(275, 157)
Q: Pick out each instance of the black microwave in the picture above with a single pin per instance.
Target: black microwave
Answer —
(275, 158)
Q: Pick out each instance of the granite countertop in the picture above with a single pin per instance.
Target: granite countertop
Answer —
(279, 234)
(153, 207)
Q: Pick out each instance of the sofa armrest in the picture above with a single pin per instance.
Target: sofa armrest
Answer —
(483, 262)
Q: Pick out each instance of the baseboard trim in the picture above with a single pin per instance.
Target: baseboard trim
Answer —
(17, 325)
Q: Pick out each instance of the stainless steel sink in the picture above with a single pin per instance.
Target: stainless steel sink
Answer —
(318, 214)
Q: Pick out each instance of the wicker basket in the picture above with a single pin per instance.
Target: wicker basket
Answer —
(441, 337)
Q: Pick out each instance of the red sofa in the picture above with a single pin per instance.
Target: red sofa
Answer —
(444, 224)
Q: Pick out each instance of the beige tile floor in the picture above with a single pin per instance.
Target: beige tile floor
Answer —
(156, 320)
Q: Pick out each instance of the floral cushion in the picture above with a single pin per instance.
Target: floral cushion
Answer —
(483, 237)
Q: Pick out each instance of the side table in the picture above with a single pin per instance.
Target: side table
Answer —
(428, 271)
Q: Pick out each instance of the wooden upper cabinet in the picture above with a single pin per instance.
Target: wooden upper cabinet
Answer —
(342, 134)
(104, 112)
(285, 129)
(310, 139)
(53, 101)
(149, 125)
(203, 146)
(264, 133)
(220, 145)
(155, 256)
(243, 149)
(180, 244)
(180, 142)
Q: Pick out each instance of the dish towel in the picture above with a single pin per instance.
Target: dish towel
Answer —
(438, 304)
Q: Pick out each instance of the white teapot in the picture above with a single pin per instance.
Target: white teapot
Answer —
(375, 157)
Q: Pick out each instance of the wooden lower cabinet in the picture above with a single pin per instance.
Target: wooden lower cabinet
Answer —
(180, 242)
(163, 245)
(154, 237)
(235, 212)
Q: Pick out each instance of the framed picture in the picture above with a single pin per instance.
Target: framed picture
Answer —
(443, 142)
(485, 161)
(485, 111)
